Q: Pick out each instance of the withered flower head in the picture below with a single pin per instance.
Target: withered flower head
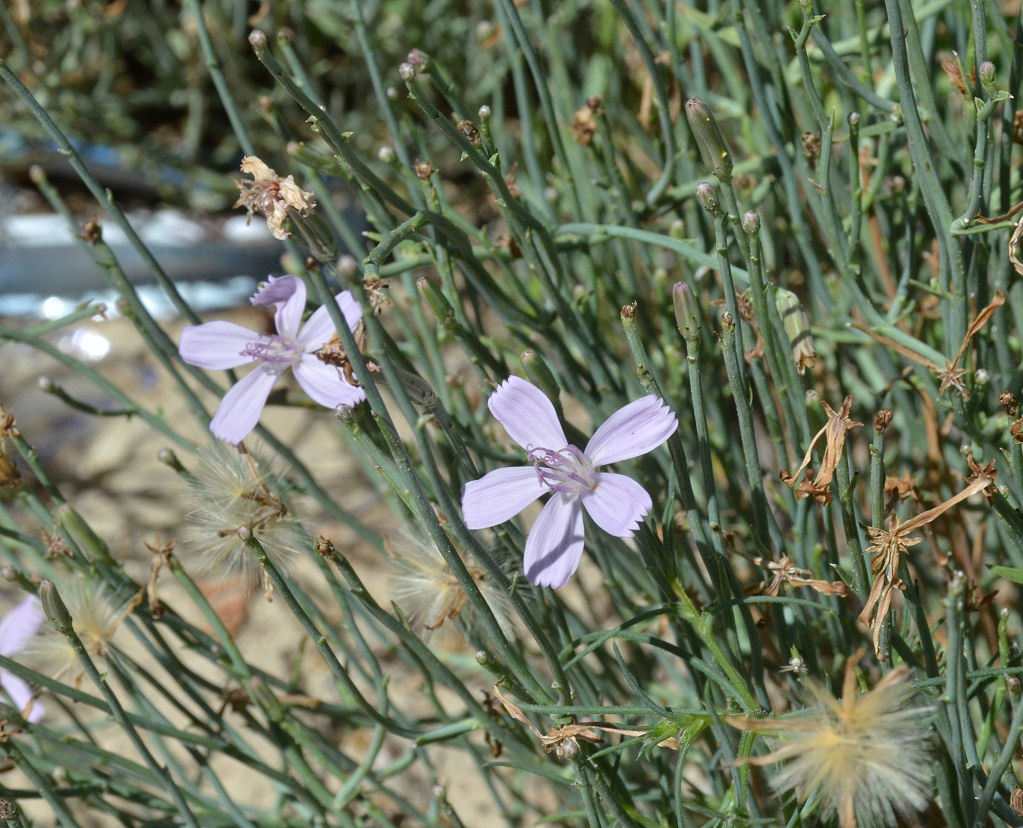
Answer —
(271, 196)
(470, 131)
(423, 169)
(783, 571)
(951, 375)
(10, 477)
(584, 122)
(865, 757)
(812, 145)
(1008, 401)
(950, 66)
(834, 431)
(887, 546)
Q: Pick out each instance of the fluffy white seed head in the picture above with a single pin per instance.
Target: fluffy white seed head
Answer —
(233, 492)
(429, 595)
(865, 758)
(95, 616)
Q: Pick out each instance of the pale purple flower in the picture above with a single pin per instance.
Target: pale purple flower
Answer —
(17, 627)
(227, 345)
(616, 503)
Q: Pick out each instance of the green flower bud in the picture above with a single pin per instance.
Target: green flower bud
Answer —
(708, 197)
(797, 329)
(709, 139)
(54, 607)
(539, 373)
(687, 312)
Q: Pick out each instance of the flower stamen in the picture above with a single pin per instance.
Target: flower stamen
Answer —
(568, 470)
(275, 350)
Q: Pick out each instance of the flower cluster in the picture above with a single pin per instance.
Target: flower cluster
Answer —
(616, 503)
(223, 344)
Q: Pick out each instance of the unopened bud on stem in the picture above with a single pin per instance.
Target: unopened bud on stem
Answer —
(707, 195)
(539, 373)
(54, 607)
(712, 144)
(687, 312)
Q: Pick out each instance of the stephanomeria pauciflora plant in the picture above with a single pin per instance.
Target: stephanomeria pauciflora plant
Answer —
(780, 243)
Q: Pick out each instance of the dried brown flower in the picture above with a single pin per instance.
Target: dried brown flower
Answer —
(951, 375)
(423, 169)
(783, 571)
(10, 477)
(1008, 401)
(271, 196)
(887, 547)
(376, 292)
(834, 431)
(950, 66)
(333, 353)
(470, 131)
(584, 122)
(563, 741)
(812, 145)
(899, 488)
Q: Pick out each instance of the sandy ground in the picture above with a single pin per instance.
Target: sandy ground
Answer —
(108, 469)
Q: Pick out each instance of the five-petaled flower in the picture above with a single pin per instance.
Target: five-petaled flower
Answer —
(616, 503)
(223, 344)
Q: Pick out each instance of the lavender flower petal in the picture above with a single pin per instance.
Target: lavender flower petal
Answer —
(554, 545)
(499, 496)
(216, 344)
(617, 505)
(21, 695)
(527, 415)
(19, 625)
(320, 327)
(325, 384)
(240, 409)
(634, 429)
(287, 295)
